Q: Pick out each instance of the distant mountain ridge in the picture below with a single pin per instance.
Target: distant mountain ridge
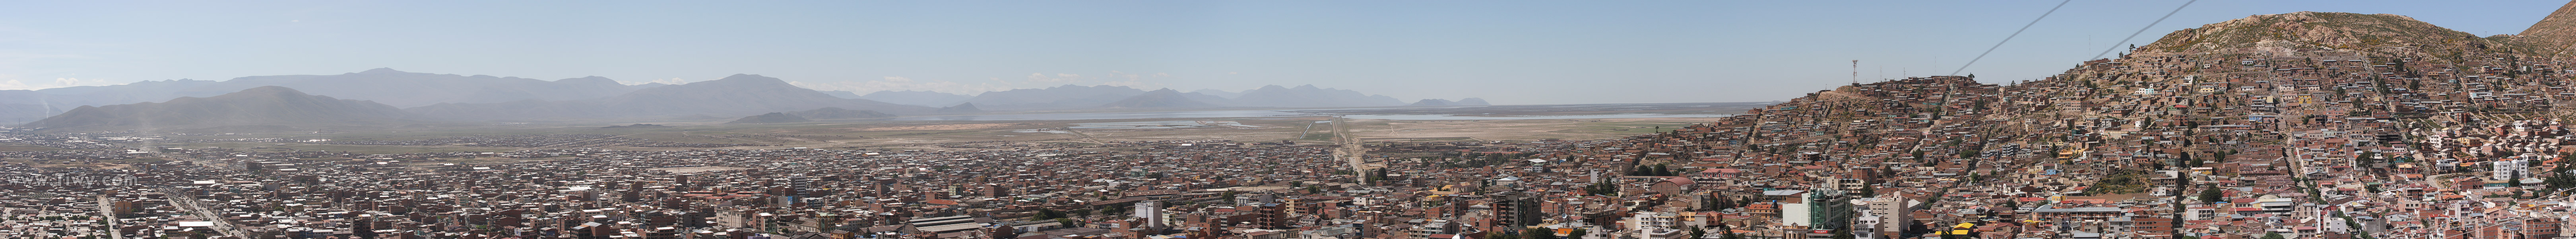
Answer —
(1161, 98)
(920, 98)
(1059, 97)
(382, 85)
(1311, 96)
(481, 97)
(1081, 97)
(740, 94)
(266, 105)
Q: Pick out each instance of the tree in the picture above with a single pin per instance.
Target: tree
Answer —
(1578, 233)
(1604, 189)
(1044, 214)
(1538, 233)
(2209, 195)
(2560, 180)
(2271, 235)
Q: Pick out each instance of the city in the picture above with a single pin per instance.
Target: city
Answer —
(2279, 126)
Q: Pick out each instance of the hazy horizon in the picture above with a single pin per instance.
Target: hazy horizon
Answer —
(1507, 52)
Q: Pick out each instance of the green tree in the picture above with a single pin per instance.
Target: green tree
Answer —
(1538, 233)
(2559, 181)
(2271, 235)
(1578, 233)
(2209, 195)
(1044, 214)
(1604, 189)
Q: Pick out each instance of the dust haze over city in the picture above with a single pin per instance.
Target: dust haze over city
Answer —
(1277, 120)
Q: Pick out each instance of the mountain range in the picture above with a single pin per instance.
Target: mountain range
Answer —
(1083, 97)
(920, 98)
(1161, 98)
(382, 85)
(387, 95)
(266, 105)
(740, 94)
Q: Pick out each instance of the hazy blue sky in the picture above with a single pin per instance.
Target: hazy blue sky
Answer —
(1536, 52)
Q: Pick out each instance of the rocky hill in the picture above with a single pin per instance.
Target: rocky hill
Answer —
(2288, 33)
(266, 105)
(2554, 35)
(2355, 100)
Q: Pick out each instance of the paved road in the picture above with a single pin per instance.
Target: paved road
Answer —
(199, 208)
(179, 199)
(1350, 149)
(113, 230)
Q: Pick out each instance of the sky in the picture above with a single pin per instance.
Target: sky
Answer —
(1508, 52)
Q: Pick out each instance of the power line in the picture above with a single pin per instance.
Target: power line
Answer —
(2150, 25)
(2008, 38)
